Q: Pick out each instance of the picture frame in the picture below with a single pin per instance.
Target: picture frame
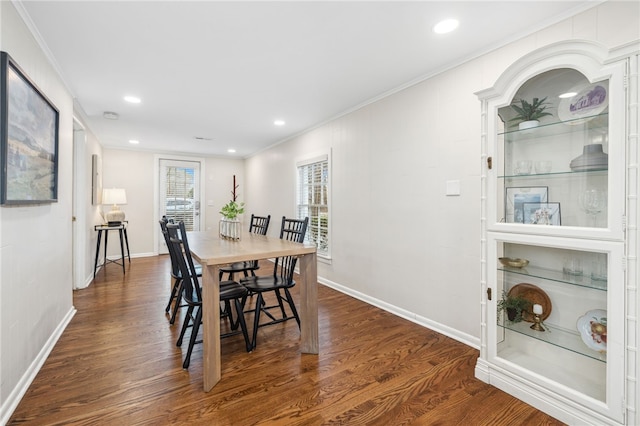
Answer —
(29, 124)
(516, 197)
(542, 214)
(96, 180)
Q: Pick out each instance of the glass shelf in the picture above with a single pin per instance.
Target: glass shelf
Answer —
(595, 172)
(580, 125)
(557, 336)
(558, 276)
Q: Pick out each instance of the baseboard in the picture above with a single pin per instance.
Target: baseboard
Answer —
(408, 315)
(9, 405)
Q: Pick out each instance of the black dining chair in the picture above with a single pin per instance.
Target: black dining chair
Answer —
(258, 225)
(230, 291)
(281, 280)
(175, 297)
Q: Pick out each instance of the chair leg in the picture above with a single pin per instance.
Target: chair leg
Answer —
(256, 320)
(243, 325)
(174, 290)
(185, 325)
(192, 340)
(279, 297)
(176, 306)
(292, 306)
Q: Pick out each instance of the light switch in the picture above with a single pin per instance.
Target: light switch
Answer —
(210, 203)
(453, 187)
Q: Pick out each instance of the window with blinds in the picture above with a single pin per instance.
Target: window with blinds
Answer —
(313, 201)
(179, 201)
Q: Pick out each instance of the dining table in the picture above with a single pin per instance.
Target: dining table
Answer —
(213, 251)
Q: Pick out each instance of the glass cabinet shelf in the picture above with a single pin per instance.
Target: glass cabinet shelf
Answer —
(557, 336)
(599, 123)
(551, 175)
(557, 276)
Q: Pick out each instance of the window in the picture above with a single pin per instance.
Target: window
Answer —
(313, 201)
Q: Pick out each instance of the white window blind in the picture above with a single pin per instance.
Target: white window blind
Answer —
(313, 201)
(179, 200)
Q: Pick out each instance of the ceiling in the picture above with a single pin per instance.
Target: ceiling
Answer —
(214, 75)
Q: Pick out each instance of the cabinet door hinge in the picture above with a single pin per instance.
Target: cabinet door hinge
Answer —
(489, 293)
(624, 223)
(624, 264)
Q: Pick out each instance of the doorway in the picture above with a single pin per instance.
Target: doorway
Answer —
(179, 194)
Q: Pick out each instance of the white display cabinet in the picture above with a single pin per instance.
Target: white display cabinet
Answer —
(555, 235)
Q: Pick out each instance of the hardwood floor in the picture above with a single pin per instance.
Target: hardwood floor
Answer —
(117, 364)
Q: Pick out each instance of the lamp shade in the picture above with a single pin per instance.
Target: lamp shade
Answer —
(114, 196)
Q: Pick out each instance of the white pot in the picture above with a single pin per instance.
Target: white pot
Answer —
(230, 228)
(528, 124)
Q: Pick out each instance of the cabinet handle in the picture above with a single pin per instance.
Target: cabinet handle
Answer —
(490, 162)
(489, 293)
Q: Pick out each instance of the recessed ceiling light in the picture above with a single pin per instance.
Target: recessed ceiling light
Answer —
(134, 142)
(279, 122)
(231, 150)
(445, 26)
(567, 95)
(132, 99)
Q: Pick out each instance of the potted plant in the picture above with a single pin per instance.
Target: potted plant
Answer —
(513, 305)
(528, 114)
(230, 224)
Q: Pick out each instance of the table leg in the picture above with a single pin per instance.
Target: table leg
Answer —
(121, 249)
(106, 238)
(211, 325)
(309, 304)
(95, 264)
(126, 239)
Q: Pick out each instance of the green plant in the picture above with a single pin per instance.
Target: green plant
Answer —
(513, 305)
(530, 111)
(232, 209)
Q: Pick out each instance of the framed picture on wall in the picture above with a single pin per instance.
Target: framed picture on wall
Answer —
(96, 180)
(28, 139)
(516, 197)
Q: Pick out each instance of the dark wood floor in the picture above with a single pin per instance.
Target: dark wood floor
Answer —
(117, 364)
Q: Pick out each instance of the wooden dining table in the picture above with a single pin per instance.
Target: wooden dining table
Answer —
(213, 252)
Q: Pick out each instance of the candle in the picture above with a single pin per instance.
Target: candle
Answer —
(537, 309)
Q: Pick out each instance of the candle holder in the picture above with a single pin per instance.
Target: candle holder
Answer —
(537, 323)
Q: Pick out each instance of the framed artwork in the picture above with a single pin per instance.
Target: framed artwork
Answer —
(96, 180)
(542, 213)
(516, 197)
(28, 139)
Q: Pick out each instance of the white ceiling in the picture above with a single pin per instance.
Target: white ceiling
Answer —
(224, 71)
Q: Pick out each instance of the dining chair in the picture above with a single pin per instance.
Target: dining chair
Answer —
(176, 290)
(281, 280)
(230, 291)
(258, 225)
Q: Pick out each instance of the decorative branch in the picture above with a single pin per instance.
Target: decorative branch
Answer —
(235, 186)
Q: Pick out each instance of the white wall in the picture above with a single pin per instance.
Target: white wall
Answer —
(35, 241)
(397, 240)
(135, 172)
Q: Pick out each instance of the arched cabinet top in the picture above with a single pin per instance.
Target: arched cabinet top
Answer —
(586, 57)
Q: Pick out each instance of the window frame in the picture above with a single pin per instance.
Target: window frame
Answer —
(303, 162)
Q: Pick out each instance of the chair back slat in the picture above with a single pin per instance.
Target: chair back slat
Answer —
(175, 272)
(294, 229)
(178, 238)
(259, 224)
(291, 230)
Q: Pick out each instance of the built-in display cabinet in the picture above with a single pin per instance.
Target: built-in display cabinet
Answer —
(559, 233)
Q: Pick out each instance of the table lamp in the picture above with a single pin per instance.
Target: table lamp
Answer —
(115, 197)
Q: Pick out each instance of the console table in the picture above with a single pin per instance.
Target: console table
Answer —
(122, 231)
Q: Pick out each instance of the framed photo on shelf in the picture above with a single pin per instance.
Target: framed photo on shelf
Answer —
(516, 197)
(28, 139)
(542, 213)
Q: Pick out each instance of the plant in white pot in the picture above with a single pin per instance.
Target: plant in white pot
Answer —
(529, 114)
(230, 224)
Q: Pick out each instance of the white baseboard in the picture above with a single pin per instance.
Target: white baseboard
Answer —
(411, 316)
(9, 405)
